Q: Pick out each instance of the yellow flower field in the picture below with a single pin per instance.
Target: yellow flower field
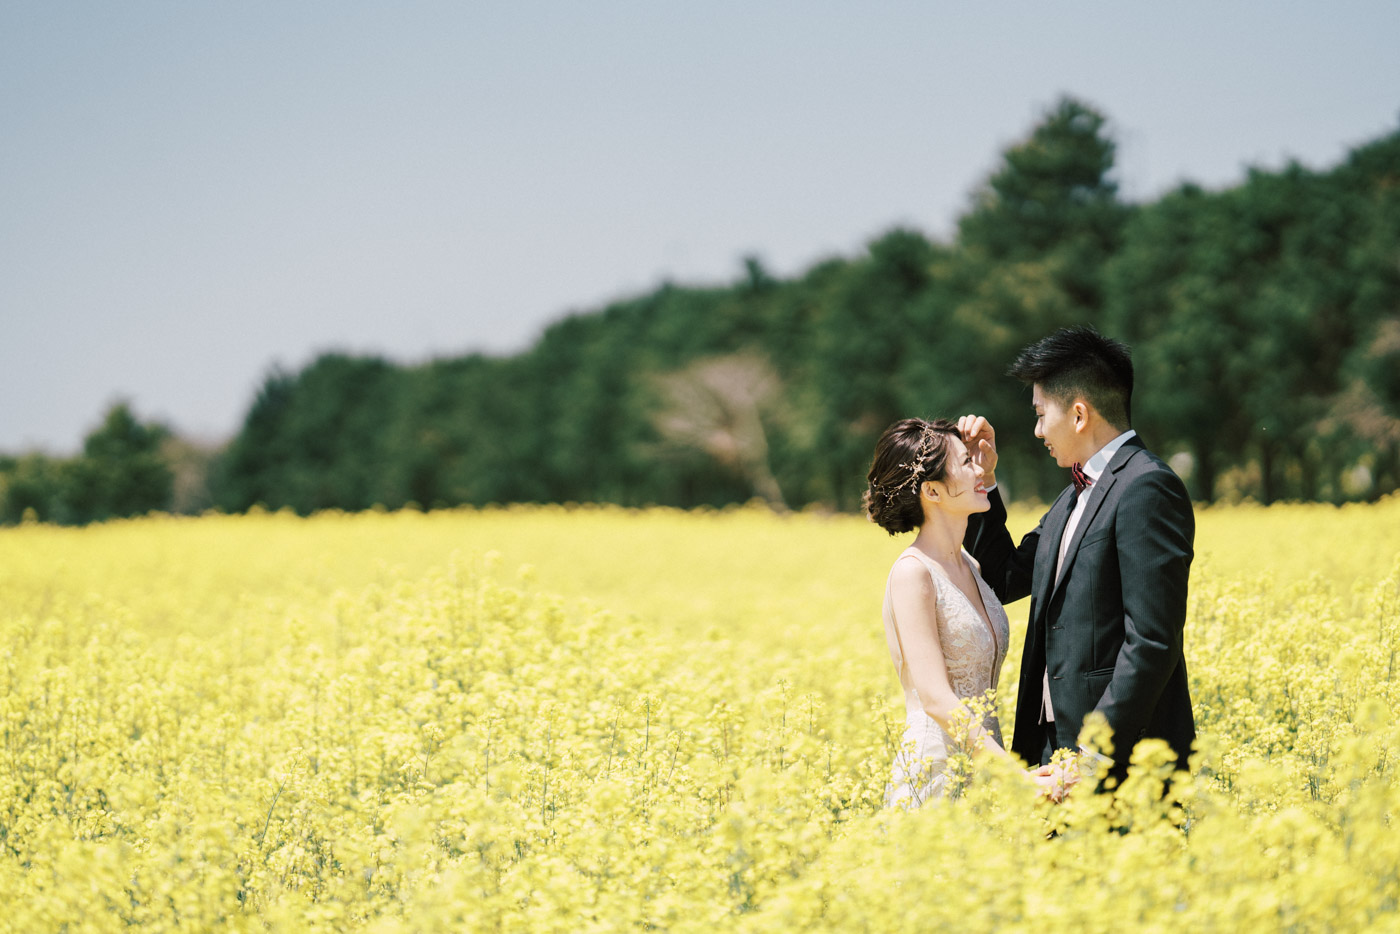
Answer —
(587, 719)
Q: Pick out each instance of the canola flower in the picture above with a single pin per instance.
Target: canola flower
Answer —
(581, 719)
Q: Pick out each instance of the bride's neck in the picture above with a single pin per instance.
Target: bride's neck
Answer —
(941, 538)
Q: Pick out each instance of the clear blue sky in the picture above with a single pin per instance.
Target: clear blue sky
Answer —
(192, 192)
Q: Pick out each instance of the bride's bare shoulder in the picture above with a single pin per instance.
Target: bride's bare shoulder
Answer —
(910, 573)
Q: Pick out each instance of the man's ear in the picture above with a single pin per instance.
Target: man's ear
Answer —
(1080, 410)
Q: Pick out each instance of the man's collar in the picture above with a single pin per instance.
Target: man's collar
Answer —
(1095, 465)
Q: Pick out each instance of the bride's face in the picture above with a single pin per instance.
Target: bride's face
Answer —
(962, 484)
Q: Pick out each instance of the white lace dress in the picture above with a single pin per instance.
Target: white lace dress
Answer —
(973, 652)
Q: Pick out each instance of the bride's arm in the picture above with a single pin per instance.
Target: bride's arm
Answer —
(915, 603)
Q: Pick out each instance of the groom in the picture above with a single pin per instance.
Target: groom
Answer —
(1106, 569)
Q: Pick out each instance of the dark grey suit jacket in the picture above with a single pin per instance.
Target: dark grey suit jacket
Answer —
(1110, 631)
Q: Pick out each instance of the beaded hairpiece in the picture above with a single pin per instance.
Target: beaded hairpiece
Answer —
(916, 468)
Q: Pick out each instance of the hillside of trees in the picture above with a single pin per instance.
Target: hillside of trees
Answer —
(1264, 318)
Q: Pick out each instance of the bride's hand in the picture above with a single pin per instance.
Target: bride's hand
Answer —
(1054, 782)
(1043, 778)
(981, 440)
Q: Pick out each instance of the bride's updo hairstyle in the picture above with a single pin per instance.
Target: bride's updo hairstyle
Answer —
(910, 451)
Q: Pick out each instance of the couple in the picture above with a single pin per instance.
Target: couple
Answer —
(1106, 570)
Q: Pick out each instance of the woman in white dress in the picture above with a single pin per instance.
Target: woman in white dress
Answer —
(946, 630)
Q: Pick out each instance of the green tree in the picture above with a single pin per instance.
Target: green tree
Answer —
(316, 440)
(1362, 423)
(1172, 298)
(32, 485)
(1053, 201)
(1239, 305)
(1029, 259)
(861, 337)
(1263, 319)
(121, 472)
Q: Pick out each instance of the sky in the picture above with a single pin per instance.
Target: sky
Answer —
(195, 193)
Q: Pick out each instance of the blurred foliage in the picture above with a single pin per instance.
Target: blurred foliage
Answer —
(1265, 322)
(124, 470)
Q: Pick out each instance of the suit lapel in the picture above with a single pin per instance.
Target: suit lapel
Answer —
(1098, 494)
(1043, 577)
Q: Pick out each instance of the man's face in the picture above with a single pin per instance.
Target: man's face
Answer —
(1054, 424)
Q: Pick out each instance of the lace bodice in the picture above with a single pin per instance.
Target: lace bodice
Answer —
(972, 651)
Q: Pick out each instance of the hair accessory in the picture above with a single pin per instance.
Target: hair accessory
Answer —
(920, 463)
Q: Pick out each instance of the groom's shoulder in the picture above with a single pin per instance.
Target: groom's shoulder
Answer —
(1143, 466)
(1135, 457)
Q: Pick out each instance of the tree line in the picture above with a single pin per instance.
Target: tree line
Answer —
(1264, 318)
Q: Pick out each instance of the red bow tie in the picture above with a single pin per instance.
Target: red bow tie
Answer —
(1081, 479)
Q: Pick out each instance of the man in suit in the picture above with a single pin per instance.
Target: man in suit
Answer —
(1106, 569)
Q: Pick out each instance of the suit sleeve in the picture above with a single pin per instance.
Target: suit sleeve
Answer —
(1154, 531)
(1006, 567)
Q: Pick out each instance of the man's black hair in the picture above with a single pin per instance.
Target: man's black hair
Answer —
(1079, 362)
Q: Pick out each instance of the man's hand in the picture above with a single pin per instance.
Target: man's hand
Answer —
(981, 440)
(1054, 781)
(1043, 778)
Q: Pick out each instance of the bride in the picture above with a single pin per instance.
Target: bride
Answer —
(946, 630)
